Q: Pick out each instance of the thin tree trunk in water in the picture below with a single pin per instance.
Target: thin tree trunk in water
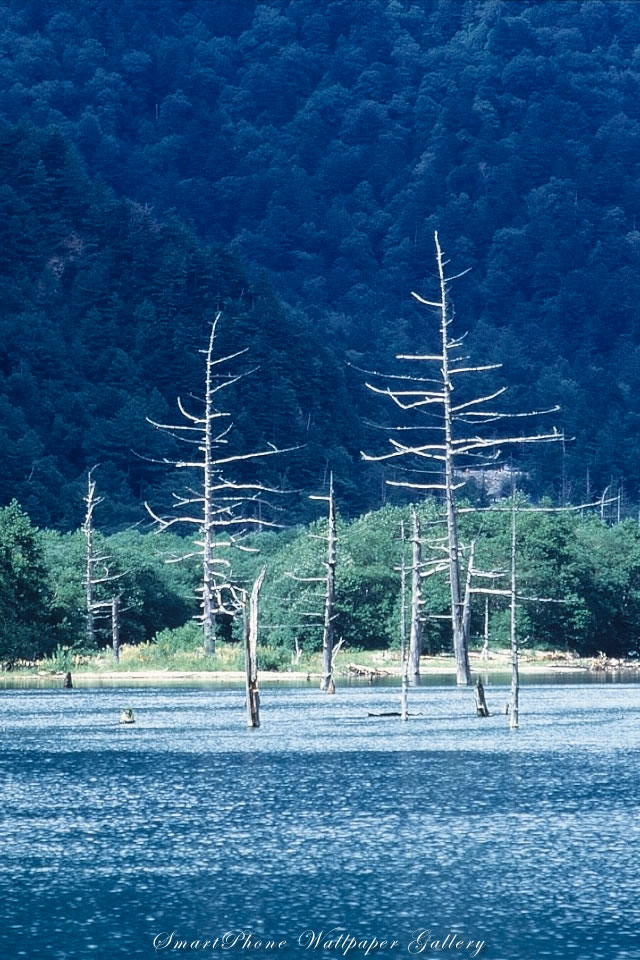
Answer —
(115, 628)
(415, 629)
(326, 683)
(251, 653)
(515, 676)
(403, 629)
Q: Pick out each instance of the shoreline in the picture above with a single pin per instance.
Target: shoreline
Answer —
(497, 665)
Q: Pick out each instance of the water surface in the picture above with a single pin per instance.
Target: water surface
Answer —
(323, 818)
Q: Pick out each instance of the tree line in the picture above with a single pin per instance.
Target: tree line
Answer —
(593, 567)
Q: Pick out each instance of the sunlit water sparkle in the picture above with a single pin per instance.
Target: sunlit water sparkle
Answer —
(323, 818)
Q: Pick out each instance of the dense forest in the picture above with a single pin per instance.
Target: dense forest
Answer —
(287, 164)
(326, 141)
(104, 311)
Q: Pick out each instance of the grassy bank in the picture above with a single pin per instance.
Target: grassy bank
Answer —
(152, 660)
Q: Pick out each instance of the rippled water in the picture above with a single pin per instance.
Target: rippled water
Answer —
(324, 818)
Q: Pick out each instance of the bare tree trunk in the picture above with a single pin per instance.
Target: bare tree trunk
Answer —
(460, 639)
(484, 655)
(295, 657)
(403, 629)
(466, 606)
(92, 561)
(329, 604)
(91, 501)
(415, 628)
(515, 676)
(115, 628)
(208, 615)
(251, 653)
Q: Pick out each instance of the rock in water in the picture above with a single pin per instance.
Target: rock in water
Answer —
(126, 716)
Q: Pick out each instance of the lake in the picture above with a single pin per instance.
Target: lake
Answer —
(324, 831)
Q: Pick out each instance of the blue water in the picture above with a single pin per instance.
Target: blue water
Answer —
(514, 845)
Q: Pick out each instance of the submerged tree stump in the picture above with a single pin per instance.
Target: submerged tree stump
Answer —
(482, 710)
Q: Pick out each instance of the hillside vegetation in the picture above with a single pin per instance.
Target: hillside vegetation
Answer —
(326, 141)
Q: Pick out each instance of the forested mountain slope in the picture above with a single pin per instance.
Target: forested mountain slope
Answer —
(326, 140)
(103, 312)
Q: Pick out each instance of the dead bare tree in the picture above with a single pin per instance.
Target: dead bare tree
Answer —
(96, 565)
(419, 570)
(220, 508)
(91, 560)
(512, 593)
(329, 648)
(330, 595)
(461, 437)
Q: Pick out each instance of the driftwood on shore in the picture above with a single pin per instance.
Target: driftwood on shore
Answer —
(603, 662)
(357, 670)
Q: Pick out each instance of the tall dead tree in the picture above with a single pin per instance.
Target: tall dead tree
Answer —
(326, 683)
(220, 508)
(461, 438)
(91, 560)
(96, 564)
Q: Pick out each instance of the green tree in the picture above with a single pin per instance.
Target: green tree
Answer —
(25, 627)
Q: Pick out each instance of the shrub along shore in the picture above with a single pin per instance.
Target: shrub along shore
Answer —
(226, 666)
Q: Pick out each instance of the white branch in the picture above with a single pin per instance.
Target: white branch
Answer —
(427, 303)
(419, 356)
(422, 486)
(473, 403)
(489, 366)
(479, 443)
